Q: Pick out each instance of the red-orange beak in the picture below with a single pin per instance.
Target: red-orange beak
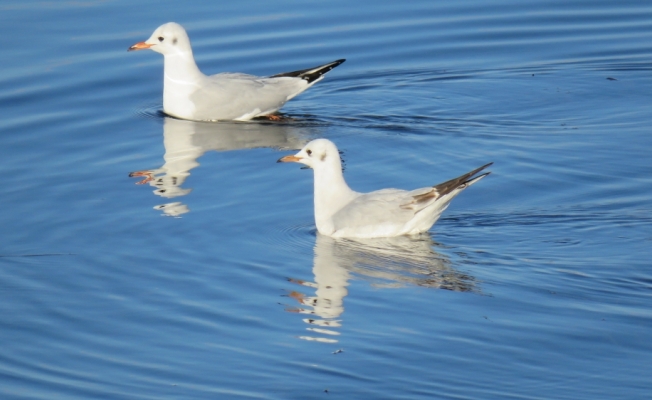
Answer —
(289, 159)
(140, 46)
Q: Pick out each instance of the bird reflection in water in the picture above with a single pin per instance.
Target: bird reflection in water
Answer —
(385, 262)
(186, 141)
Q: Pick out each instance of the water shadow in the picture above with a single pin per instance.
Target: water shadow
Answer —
(386, 262)
(186, 141)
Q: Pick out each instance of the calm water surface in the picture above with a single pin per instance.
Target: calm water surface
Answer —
(210, 281)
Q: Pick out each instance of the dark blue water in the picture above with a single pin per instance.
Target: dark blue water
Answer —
(210, 281)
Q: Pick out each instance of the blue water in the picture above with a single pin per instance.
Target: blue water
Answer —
(210, 281)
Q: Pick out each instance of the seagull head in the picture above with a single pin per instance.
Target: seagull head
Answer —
(167, 39)
(318, 154)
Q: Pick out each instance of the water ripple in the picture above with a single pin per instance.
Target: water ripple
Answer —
(150, 111)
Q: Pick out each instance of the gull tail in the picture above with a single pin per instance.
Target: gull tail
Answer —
(461, 182)
(311, 74)
(420, 201)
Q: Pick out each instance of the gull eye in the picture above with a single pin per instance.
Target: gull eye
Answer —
(309, 152)
(160, 38)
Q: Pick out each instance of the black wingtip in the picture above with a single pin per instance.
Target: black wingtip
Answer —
(471, 176)
(475, 171)
(311, 74)
(448, 186)
(481, 176)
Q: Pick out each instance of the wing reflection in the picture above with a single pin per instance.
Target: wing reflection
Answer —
(186, 141)
(386, 262)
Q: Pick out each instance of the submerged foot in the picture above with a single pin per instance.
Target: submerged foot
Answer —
(275, 117)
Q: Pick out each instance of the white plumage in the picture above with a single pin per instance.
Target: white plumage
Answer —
(342, 212)
(189, 94)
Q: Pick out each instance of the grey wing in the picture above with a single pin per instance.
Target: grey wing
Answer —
(233, 75)
(232, 95)
(375, 210)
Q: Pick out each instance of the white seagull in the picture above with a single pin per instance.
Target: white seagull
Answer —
(189, 94)
(341, 212)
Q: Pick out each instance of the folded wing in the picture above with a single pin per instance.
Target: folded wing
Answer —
(421, 198)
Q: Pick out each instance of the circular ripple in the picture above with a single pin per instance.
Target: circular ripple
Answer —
(292, 238)
(153, 111)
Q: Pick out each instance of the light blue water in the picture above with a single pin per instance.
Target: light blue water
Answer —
(535, 284)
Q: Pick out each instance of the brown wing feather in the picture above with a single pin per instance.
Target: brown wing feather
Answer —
(444, 188)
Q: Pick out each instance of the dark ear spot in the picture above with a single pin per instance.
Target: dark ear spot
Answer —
(323, 157)
(174, 41)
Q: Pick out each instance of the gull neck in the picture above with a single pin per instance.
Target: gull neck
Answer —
(331, 191)
(180, 67)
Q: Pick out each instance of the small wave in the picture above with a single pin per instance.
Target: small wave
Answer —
(153, 111)
(292, 238)
(570, 217)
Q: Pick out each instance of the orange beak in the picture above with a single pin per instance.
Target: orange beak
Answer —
(289, 159)
(140, 46)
